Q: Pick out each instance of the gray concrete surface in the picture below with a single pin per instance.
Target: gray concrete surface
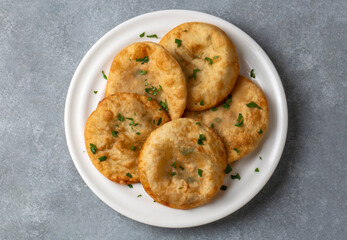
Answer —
(43, 196)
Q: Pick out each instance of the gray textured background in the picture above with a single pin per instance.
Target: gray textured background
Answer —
(42, 195)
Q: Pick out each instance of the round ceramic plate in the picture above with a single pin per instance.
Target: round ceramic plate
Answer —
(81, 101)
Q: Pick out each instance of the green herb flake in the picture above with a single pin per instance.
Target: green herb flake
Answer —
(149, 99)
(260, 158)
(215, 57)
(178, 42)
(153, 90)
(197, 123)
(138, 133)
(103, 158)
(236, 150)
(185, 30)
(239, 120)
(182, 168)
(226, 105)
(180, 187)
(202, 103)
(164, 105)
(253, 105)
(260, 131)
(200, 172)
(142, 72)
(133, 148)
(223, 188)
(152, 36)
(104, 75)
(237, 176)
(209, 60)
(130, 186)
(114, 133)
(132, 121)
(146, 83)
(142, 35)
(212, 125)
(173, 165)
(95, 92)
(129, 175)
(194, 73)
(228, 169)
(186, 151)
(214, 109)
(139, 195)
(201, 138)
(120, 117)
(142, 60)
(173, 174)
(93, 148)
(252, 74)
(159, 121)
(256, 170)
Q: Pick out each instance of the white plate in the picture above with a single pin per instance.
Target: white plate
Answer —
(81, 101)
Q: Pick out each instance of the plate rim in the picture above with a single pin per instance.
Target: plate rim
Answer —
(74, 81)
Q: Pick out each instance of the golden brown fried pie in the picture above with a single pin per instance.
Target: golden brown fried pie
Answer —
(241, 120)
(208, 59)
(182, 164)
(115, 132)
(148, 69)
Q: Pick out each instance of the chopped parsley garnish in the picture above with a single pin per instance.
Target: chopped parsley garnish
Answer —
(194, 73)
(226, 105)
(237, 176)
(142, 72)
(159, 121)
(132, 122)
(153, 90)
(139, 195)
(138, 133)
(185, 30)
(120, 117)
(214, 109)
(104, 75)
(200, 172)
(260, 131)
(178, 42)
(201, 138)
(173, 165)
(252, 74)
(130, 186)
(149, 99)
(103, 158)
(142, 34)
(256, 170)
(164, 105)
(209, 60)
(212, 125)
(180, 187)
(202, 103)
(129, 175)
(95, 92)
(197, 123)
(173, 174)
(253, 105)
(260, 158)
(236, 150)
(223, 188)
(142, 60)
(182, 168)
(152, 36)
(93, 148)
(186, 151)
(215, 57)
(114, 133)
(133, 148)
(228, 169)
(239, 120)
